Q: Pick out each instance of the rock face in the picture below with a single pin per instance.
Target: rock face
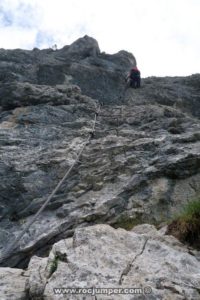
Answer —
(82, 48)
(142, 164)
(157, 266)
(99, 75)
(13, 284)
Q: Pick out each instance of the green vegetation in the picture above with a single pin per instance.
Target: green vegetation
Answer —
(53, 265)
(192, 208)
(186, 226)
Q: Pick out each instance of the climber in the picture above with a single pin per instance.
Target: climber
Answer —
(133, 78)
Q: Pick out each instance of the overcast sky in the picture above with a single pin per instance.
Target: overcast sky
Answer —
(163, 35)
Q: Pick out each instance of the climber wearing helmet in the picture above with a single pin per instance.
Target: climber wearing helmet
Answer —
(133, 78)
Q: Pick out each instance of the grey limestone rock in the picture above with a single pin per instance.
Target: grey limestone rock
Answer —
(141, 165)
(158, 266)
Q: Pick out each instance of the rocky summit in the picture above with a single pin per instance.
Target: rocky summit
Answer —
(106, 225)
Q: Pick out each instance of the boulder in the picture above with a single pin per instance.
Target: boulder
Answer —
(13, 284)
(81, 48)
(102, 257)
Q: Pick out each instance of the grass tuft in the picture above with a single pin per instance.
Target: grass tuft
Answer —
(186, 226)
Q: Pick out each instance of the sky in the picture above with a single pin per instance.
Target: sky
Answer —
(163, 35)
